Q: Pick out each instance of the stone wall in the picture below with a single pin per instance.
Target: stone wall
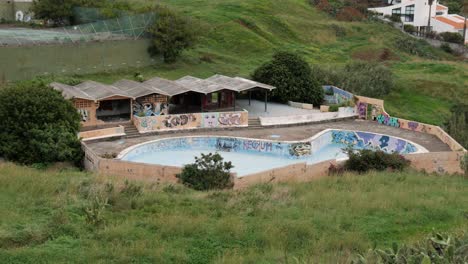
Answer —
(191, 121)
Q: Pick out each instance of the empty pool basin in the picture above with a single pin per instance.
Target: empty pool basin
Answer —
(254, 155)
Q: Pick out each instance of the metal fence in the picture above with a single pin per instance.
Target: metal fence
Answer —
(123, 27)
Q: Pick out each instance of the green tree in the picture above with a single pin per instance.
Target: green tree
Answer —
(292, 77)
(171, 34)
(38, 125)
(59, 11)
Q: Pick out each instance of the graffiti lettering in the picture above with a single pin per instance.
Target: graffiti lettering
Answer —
(230, 119)
(178, 120)
(258, 145)
(413, 125)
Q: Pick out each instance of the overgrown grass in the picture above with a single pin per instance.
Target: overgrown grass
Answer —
(238, 36)
(321, 221)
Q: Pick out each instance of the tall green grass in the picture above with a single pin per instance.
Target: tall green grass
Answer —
(321, 221)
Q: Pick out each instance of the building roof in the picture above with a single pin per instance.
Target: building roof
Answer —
(202, 86)
(237, 83)
(171, 88)
(453, 21)
(137, 89)
(91, 90)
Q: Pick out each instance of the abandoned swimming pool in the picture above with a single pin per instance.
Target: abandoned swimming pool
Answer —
(253, 155)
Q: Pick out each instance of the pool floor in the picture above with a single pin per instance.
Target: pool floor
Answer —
(245, 163)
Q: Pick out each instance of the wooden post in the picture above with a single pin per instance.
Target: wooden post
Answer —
(250, 96)
(266, 100)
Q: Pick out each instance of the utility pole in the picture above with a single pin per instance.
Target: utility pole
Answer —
(429, 19)
(465, 14)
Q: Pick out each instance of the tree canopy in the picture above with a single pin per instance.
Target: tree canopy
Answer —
(38, 125)
(171, 34)
(292, 77)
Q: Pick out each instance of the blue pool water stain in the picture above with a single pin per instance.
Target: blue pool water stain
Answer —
(252, 156)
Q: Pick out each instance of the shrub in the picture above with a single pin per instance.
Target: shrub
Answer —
(208, 172)
(292, 77)
(414, 47)
(457, 124)
(38, 125)
(452, 37)
(409, 28)
(350, 14)
(365, 160)
(367, 78)
(437, 248)
(59, 11)
(446, 47)
(395, 18)
(170, 35)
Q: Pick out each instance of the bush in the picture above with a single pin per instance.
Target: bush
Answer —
(452, 37)
(38, 125)
(207, 173)
(457, 124)
(365, 160)
(367, 79)
(446, 47)
(292, 77)
(170, 35)
(395, 18)
(413, 46)
(409, 28)
(437, 248)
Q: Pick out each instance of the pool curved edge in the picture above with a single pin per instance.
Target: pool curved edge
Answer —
(419, 148)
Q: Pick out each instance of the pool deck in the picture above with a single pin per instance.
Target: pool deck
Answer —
(291, 133)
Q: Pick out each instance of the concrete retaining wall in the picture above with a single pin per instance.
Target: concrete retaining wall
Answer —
(102, 133)
(301, 105)
(191, 121)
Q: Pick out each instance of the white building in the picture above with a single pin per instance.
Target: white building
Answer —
(419, 14)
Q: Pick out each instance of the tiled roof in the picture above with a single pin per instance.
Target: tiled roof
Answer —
(451, 22)
(441, 7)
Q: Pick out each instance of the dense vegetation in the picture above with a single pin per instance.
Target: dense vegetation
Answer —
(236, 37)
(69, 216)
(457, 125)
(38, 125)
(171, 33)
(292, 77)
(209, 172)
(366, 160)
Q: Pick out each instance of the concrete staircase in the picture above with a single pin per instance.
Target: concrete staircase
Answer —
(254, 123)
(131, 131)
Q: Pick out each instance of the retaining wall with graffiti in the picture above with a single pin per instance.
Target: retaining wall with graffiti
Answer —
(339, 95)
(191, 121)
(373, 109)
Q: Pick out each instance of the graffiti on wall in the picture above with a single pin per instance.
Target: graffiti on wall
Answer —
(210, 119)
(229, 119)
(173, 121)
(300, 149)
(362, 110)
(149, 109)
(228, 144)
(363, 140)
(388, 121)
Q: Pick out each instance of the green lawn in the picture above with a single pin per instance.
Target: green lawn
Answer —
(235, 37)
(328, 220)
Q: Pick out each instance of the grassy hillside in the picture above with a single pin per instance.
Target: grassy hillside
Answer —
(43, 218)
(238, 36)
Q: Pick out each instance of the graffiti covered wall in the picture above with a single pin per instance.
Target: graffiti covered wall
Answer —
(191, 121)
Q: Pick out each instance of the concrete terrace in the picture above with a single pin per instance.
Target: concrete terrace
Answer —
(257, 109)
(292, 133)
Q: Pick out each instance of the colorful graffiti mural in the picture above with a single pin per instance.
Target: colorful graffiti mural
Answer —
(388, 121)
(290, 150)
(190, 121)
(362, 110)
(364, 140)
